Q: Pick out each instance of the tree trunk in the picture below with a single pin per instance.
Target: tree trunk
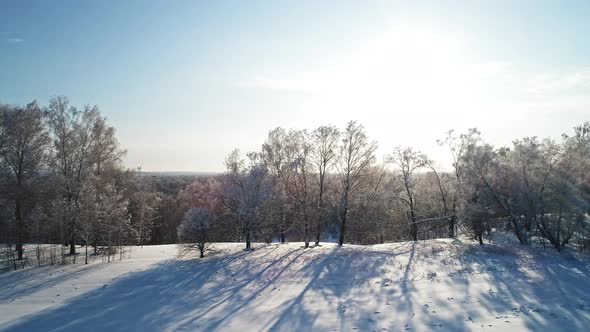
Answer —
(72, 238)
(72, 246)
(248, 240)
(317, 234)
(72, 225)
(344, 214)
(517, 231)
(413, 227)
(452, 226)
(318, 228)
(342, 227)
(20, 228)
(306, 230)
(282, 230)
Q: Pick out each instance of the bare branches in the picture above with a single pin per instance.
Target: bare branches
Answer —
(356, 155)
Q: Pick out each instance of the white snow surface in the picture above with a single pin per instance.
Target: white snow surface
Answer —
(436, 285)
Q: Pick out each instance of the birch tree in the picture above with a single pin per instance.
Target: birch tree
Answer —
(245, 191)
(323, 156)
(356, 154)
(406, 161)
(23, 150)
(274, 156)
(297, 178)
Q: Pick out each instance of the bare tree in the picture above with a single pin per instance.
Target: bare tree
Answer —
(143, 205)
(406, 161)
(275, 159)
(89, 227)
(323, 155)
(553, 188)
(457, 146)
(104, 159)
(71, 134)
(23, 151)
(296, 175)
(245, 191)
(485, 175)
(85, 147)
(373, 208)
(356, 155)
(113, 217)
(193, 232)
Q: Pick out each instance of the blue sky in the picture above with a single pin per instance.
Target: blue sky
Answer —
(184, 82)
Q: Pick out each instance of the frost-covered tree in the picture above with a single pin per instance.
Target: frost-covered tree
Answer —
(297, 176)
(323, 156)
(104, 219)
(246, 191)
(559, 186)
(84, 147)
(274, 156)
(143, 204)
(406, 161)
(194, 231)
(373, 212)
(23, 150)
(71, 131)
(91, 231)
(356, 154)
(483, 179)
(450, 186)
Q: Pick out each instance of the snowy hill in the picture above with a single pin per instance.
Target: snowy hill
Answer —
(419, 286)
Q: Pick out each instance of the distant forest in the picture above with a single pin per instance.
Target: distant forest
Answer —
(62, 181)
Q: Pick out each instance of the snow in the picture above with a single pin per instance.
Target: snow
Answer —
(419, 286)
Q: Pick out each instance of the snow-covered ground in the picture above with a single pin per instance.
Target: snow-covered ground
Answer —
(429, 285)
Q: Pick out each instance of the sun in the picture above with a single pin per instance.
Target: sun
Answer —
(408, 66)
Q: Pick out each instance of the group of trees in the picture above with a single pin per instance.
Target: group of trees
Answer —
(62, 181)
(305, 185)
(540, 187)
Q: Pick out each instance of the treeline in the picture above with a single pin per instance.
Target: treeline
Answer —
(327, 184)
(63, 182)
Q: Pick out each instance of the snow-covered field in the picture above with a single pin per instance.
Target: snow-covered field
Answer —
(431, 285)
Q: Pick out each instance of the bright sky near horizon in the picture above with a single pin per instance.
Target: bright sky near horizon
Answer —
(185, 82)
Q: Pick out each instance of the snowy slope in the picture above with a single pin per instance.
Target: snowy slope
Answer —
(423, 286)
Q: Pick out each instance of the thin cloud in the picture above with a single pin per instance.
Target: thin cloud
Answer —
(484, 76)
(15, 40)
(366, 75)
(577, 82)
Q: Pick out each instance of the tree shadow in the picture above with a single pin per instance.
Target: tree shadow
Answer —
(539, 293)
(173, 294)
(328, 288)
(346, 288)
(25, 282)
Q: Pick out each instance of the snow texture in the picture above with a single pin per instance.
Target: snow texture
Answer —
(416, 286)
